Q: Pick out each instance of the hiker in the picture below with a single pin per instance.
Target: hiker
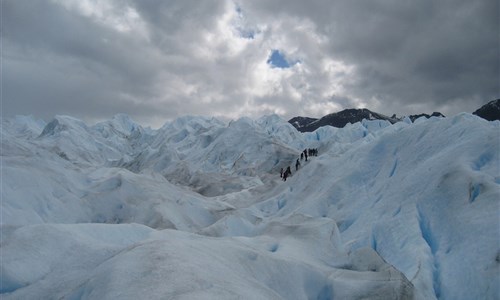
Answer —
(288, 171)
(302, 156)
(297, 164)
(281, 173)
(305, 153)
(285, 175)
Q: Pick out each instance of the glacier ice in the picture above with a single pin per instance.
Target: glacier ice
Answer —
(196, 210)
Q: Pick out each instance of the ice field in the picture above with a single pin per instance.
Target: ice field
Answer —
(196, 210)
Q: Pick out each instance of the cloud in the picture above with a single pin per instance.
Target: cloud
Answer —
(157, 60)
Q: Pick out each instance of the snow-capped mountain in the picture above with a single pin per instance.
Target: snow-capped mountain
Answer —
(197, 209)
(490, 111)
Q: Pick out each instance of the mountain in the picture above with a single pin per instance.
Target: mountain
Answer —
(301, 122)
(434, 114)
(489, 111)
(338, 120)
(196, 209)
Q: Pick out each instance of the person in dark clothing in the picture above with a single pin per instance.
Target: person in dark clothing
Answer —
(305, 154)
(289, 171)
(302, 156)
(285, 175)
(297, 164)
(281, 173)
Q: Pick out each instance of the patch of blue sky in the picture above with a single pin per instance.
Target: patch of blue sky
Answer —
(277, 59)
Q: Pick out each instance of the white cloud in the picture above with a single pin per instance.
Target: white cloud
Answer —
(111, 14)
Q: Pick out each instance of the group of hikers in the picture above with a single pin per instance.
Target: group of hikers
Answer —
(304, 154)
(308, 152)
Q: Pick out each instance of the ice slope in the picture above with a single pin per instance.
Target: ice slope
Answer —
(204, 152)
(130, 261)
(40, 190)
(424, 196)
(385, 212)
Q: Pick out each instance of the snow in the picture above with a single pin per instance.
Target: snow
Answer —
(196, 210)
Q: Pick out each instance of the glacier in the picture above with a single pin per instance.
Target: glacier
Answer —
(196, 209)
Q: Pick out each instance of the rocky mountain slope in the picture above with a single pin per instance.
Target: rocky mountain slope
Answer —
(489, 111)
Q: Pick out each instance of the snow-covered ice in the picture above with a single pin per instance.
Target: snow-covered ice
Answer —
(196, 210)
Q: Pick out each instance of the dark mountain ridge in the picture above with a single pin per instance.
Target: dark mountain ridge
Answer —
(489, 111)
(434, 114)
(299, 122)
(342, 118)
(339, 119)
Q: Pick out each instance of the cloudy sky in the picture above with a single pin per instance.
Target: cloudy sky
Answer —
(159, 59)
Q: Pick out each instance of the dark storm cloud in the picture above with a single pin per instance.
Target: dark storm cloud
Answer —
(56, 62)
(450, 55)
(408, 52)
(156, 60)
